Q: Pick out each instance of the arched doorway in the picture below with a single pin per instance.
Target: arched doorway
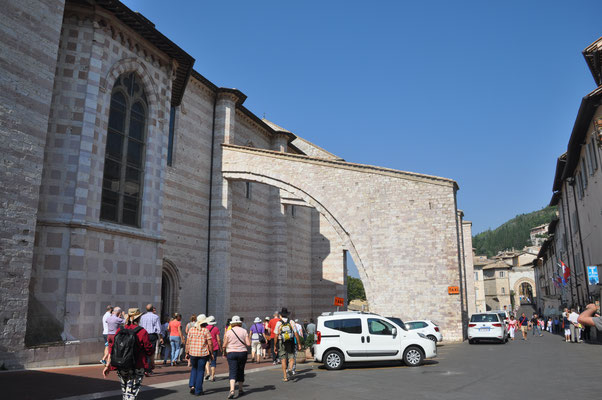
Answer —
(170, 288)
(525, 293)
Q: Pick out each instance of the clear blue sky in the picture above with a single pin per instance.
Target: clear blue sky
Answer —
(482, 92)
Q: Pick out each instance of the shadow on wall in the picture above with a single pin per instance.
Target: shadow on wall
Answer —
(42, 325)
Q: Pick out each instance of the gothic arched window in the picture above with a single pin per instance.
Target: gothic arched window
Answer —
(124, 155)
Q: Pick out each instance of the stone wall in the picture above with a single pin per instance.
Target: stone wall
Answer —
(29, 37)
(81, 263)
(401, 228)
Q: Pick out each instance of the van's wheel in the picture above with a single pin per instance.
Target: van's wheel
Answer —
(471, 341)
(432, 337)
(413, 356)
(333, 360)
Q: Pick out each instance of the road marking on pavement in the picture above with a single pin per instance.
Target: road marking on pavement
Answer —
(164, 385)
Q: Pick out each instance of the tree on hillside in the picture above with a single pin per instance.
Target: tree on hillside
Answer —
(355, 289)
(514, 233)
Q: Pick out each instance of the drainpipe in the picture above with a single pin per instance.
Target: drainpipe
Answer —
(571, 181)
(566, 235)
(581, 244)
(210, 202)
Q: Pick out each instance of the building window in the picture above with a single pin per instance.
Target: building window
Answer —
(248, 190)
(579, 185)
(124, 154)
(172, 129)
(593, 156)
(293, 211)
(501, 274)
(476, 275)
(476, 293)
(584, 174)
(503, 290)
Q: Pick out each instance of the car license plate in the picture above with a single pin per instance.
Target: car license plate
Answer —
(484, 329)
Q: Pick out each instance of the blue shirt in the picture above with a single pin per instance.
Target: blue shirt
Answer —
(150, 321)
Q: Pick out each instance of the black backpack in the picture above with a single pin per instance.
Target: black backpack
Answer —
(124, 348)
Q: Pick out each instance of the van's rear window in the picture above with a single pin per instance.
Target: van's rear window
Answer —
(351, 325)
(484, 318)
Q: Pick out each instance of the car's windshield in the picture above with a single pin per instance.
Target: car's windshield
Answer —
(398, 322)
(484, 318)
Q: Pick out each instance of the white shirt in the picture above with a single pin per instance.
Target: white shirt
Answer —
(573, 317)
(105, 327)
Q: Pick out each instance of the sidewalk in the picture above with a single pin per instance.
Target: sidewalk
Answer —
(57, 383)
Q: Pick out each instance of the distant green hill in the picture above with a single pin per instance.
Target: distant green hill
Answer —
(511, 234)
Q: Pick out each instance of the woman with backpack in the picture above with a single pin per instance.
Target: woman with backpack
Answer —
(236, 341)
(128, 352)
(257, 339)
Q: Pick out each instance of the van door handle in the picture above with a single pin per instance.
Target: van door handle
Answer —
(363, 339)
(368, 339)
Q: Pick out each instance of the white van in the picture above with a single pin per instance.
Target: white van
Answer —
(353, 336)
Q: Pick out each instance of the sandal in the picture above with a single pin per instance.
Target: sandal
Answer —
(231, 395)
(284, 379)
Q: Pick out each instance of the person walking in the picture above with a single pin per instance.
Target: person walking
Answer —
(286, 334)
(266, 330)
(566, 324)
(512, 326)
(105, 334)
(257, 339)
(217, 344)
(236, 341)
(311, 330)
(189, 325)
(114, 322)
(534, 324)
(199, 350)
(152, 324)
(130, 371)
(175, 337)
(556, 325)
(301, 336)
(573, 317)
(523, 324)
(273, 338)
(166, 345)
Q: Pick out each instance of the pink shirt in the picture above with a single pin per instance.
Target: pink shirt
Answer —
(214, 331)
(235, 345)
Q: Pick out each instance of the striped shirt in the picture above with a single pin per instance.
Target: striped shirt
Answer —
(198, 342)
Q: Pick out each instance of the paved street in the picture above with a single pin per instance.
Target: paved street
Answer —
(484, 371)
(462, 371)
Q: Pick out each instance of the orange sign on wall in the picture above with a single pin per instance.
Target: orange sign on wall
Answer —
(453, 290)
(339, 302)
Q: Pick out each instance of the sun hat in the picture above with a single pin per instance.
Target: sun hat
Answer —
(236, 320)
(267, 319)
(257, 320)
(211, 320)
(284, 312)
(133, 314)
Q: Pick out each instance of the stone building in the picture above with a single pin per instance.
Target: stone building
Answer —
(575, 237)
(479, 282)
(133, 179)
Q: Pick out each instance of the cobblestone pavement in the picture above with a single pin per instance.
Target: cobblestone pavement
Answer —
(546, 367)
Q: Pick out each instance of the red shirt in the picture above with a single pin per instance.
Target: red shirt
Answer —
(214, 331)
(272, 326)
(143, 349)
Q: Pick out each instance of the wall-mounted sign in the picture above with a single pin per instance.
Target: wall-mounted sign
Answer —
(453, 290)
(592, 275)
(339, 302)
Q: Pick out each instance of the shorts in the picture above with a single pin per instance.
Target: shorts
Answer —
(286, 351)
(524, 328)
(106, 338)
(153, 338)
(567, 332)
(256, 346)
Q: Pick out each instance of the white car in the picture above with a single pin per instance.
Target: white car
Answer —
(487, 326)
(426, 327)
(351, 336)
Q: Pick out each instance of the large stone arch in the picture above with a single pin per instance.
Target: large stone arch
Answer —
(170, 289)
(307, 198)
(401, 228)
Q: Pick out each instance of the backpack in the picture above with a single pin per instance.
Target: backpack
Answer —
(124, 348)
(287, 333)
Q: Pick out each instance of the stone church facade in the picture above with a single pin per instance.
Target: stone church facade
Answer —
(130, 178)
